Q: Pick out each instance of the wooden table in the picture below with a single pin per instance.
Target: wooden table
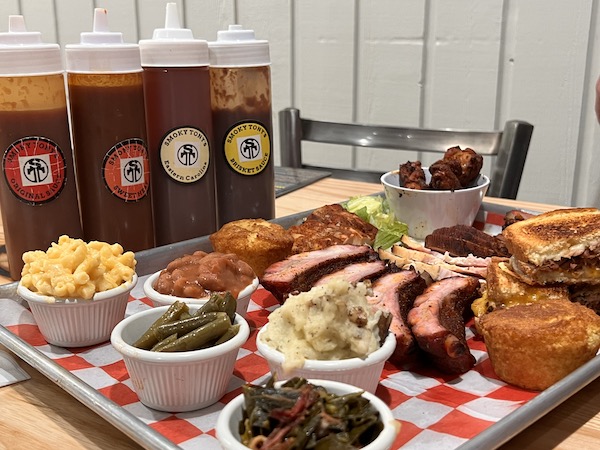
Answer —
(38, 414)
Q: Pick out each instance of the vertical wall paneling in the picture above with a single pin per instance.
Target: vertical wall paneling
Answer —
(205, 18)
(271, 20)
(40, 15)
(7, 8)
(431, 63)
(323, 70)
(389, 81)
(586, 181)
(548, 72)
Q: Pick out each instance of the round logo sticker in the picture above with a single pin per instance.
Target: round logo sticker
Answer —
(35, 170)
(185, 154)
(126, 170)
(248, 148)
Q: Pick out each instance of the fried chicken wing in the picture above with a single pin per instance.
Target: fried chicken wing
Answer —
(412, 175)
(470, 163)
(443, 177)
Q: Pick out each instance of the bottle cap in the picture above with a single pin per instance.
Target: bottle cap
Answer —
(173, 46)
(237, 47)
(22, 52)
(102, 51)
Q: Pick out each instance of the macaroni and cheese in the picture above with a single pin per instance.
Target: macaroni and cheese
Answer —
(73, 268)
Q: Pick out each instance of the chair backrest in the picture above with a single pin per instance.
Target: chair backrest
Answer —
(509, 146)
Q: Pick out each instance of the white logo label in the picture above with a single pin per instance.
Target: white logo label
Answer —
(35, 170)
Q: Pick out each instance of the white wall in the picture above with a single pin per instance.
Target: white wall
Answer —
(430, 63)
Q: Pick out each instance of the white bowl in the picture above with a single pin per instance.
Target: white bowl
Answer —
(76, 322)
(363, 373)
(229, 419)
(159, 299)
(176, 381)
(427, 210)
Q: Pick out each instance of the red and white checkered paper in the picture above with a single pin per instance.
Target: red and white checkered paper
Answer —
(436, 411)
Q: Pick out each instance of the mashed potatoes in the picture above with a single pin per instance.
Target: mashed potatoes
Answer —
(329, 322)
(72, 268)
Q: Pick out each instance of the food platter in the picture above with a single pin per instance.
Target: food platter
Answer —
(128, 419)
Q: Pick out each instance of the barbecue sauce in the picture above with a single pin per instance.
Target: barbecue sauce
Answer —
(109, 137)
(240, 80)
(38, 194)
(179, 123)
(112, 161)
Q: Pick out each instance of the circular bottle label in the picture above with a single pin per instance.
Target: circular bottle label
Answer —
(248, 148)
(185, 154)
(126, 170)
(35, 169)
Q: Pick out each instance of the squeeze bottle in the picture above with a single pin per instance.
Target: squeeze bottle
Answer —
(240, 78)
(179, 123)
(38, 194)
(109, 137)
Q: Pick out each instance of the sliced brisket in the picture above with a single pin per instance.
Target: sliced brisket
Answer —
(298, 272)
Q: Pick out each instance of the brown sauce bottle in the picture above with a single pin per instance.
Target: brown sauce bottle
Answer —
(109, 137)
(111, 158)
(38, 195)
(240, 79)
(180, 135)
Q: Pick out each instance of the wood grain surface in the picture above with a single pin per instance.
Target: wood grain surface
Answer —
(38, 414)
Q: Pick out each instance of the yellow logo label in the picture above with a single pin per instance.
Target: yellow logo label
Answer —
(185, 154)
(248, 148)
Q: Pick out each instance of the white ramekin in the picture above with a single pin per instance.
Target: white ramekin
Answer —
(159, 299)
(363, 373)
(76, 322)
(229, 419)
(176, 381)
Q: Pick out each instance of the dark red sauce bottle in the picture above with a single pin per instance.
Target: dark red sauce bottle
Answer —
(180, 135)
(109, 137)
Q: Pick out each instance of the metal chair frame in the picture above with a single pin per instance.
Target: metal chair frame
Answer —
(509, 145)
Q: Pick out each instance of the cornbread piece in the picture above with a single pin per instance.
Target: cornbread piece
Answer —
(534, 346)
(257, 242)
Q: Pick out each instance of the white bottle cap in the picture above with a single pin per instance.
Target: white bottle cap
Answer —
(237, 47)
(173, 46)
(102, 51)
(22, 52)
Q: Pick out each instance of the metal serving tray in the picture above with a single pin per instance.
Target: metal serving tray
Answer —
(149, 261)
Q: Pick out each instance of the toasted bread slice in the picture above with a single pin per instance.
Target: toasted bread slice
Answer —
(554, 235)
(505, 289)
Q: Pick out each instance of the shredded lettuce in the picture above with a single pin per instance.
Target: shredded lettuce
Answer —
(376, 211)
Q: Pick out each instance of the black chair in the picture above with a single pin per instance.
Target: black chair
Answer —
(508, 146)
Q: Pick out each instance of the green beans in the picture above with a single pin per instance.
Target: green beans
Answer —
(149, 339)
(177, 330)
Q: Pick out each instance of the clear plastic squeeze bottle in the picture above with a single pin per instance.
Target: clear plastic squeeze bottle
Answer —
(179, 123)
(240, 78)
(109, 137)
(38, 195)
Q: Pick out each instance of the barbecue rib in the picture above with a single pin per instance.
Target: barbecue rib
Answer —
(395, 292)
(438, 324)
(297, 273)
